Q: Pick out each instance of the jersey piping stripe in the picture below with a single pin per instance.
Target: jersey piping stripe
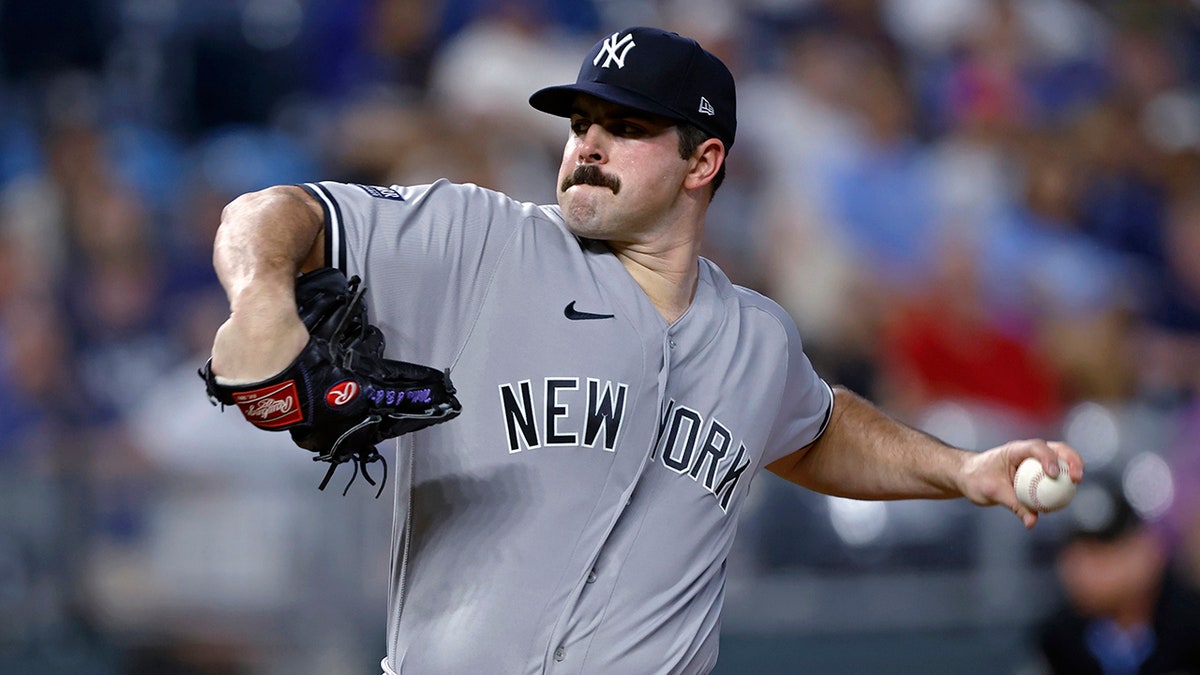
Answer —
(335, 241)
(828, 412)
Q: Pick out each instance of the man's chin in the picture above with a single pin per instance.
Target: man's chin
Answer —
(580, 199)
(580, 216)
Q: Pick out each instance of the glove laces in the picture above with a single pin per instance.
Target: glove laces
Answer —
(360, 459)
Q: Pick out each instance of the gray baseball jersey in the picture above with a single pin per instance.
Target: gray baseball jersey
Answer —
(577, 516)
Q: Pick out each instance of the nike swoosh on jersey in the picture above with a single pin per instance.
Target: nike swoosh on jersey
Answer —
(575, 315)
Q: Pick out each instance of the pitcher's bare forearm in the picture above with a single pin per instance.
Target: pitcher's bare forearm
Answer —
(264, 240)
(865, 454)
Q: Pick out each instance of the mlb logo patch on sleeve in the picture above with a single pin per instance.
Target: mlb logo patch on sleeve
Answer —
(381, 192)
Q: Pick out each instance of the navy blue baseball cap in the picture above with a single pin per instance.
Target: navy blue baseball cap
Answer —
(654, 71)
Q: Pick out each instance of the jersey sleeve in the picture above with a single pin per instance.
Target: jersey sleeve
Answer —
(425, 254)
(806, 403)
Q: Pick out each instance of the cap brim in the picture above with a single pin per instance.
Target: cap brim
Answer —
(560, 100)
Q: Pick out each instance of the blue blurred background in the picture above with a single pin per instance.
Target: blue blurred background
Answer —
(983, 214)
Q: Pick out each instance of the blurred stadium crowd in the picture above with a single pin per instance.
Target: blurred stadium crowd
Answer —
(983, 214)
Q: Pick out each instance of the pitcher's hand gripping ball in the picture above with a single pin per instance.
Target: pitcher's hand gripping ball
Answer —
(341, 397)
(1038, 491)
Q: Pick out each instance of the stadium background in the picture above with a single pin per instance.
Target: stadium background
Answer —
(984, 214)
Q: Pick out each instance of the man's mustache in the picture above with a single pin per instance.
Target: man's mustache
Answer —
(590, 174)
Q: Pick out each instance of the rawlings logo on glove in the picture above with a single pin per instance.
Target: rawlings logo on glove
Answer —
(274, 406)
(341, 393)
(341, 397)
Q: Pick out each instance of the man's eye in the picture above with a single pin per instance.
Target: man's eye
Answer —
(628, 130)
(580, 126)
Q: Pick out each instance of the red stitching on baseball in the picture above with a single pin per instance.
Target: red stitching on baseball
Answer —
(1033, 483)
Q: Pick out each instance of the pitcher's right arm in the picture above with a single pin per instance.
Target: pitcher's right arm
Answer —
(265, 239)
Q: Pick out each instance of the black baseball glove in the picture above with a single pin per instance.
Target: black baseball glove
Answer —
(341, 397)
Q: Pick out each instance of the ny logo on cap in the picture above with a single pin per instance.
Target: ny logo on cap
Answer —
(610, 47)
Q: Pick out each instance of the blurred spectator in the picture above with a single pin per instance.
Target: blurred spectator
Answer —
(801, 124)
(948, 343)
(365, 46)
(1145, 60)
(485, 73)
(1122, 193)
(36, 382)
(883, 197)
(1169, 346)
(114, 299)
(1035, 259)
(1127, 613)
(797, 123)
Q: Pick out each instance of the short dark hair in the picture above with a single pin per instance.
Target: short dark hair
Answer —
(690, 138)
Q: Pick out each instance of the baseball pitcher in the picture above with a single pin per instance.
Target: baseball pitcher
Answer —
(581, 401)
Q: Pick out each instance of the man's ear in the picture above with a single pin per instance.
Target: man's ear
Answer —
(704, 164)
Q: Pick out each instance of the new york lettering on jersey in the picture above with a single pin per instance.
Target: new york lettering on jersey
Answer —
(562, 419)
(560, 412)
(703, 449)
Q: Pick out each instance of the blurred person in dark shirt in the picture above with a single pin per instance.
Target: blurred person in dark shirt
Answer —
(1126, 611)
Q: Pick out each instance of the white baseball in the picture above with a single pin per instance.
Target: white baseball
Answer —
(1039, 491)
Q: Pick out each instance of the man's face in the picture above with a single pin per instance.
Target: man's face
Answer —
(1105, 578)
(621, 172)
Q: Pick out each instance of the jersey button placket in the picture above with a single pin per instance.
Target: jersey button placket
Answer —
(560, 653)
